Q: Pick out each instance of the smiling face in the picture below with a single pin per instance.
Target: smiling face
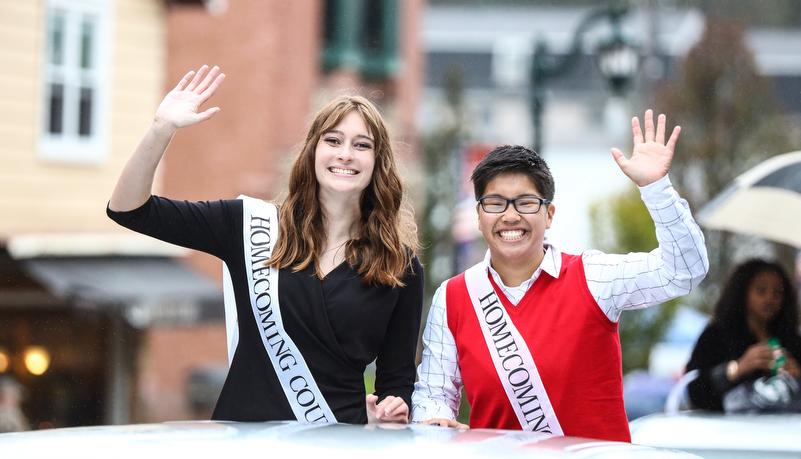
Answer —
(515, 240)
(345, 158)
(764, 297)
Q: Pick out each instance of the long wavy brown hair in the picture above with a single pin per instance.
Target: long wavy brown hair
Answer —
(386, 238)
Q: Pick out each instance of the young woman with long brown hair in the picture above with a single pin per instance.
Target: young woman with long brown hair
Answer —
(316, 288)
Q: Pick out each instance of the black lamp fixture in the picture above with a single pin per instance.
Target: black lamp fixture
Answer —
(617, 58)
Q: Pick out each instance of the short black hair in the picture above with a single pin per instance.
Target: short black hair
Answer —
(513, 159)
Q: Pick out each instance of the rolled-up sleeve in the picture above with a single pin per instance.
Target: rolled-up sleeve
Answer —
(674, 269)
(437, 392)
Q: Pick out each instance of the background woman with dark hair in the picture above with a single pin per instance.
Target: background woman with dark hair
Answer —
(758, 302)
(350, 288)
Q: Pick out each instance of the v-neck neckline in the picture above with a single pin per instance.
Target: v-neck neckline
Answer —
(326, 275)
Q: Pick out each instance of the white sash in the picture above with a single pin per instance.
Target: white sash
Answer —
(260, 233)
(513, 362)
(231, 327)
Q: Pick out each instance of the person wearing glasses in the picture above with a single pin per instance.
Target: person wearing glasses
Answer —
(531, 333)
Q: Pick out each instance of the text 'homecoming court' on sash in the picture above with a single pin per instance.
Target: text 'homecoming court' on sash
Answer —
(261, 231)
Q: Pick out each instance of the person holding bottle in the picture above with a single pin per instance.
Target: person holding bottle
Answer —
(753, 333)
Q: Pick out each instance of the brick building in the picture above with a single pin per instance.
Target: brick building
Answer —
(133, 328)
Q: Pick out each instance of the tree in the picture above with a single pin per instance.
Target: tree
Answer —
(441, 149)
(731, 121)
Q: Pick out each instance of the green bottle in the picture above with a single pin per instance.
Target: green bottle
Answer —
(778, 357)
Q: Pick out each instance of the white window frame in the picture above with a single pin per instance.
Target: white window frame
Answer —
(68, 146)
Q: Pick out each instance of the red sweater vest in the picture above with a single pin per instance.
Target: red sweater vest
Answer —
(575, 346)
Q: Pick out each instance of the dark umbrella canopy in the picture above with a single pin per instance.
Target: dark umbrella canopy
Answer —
(764, 201)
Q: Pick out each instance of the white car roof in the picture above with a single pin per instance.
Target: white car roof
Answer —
(293, 440)
(707, 434)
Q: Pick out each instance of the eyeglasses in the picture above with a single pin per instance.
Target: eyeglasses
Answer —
(523, 204)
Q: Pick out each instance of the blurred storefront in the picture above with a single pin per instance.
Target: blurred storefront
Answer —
(73, 329)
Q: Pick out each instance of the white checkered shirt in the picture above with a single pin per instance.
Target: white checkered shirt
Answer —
(617, 282)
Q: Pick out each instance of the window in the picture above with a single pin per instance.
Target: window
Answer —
(380, 38)
(363, 35)
(73, 81)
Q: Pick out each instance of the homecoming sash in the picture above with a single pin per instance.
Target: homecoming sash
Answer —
(260, 233)
(509, 352)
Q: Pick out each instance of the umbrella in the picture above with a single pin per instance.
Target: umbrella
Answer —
(764, 201)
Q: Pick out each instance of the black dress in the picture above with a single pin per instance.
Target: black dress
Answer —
(340, 324)
(716, 346)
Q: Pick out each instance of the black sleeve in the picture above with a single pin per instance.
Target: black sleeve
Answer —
(214, 227)
(792, 345)
(395, 365)
(710, 357)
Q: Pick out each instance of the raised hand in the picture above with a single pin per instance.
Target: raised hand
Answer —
(180, 108)
(651, 157)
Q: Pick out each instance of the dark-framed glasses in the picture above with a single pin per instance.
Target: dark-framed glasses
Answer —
(523, 204)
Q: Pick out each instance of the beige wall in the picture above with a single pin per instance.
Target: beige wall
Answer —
(38, 196)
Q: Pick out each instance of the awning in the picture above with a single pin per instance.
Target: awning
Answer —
(145, 290)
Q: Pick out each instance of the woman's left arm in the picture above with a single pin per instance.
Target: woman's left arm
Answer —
(710, 357)
(791, 365)
(792, 353)
(395, 365)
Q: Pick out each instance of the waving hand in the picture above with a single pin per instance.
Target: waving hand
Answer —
(180, 108)
(651, 157)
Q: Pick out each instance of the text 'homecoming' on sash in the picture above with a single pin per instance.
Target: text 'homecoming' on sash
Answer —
(510, 354)
(261, 232)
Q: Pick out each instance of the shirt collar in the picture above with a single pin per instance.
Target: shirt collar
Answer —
(551, 263)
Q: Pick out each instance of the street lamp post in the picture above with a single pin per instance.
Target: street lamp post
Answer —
(617, 60)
